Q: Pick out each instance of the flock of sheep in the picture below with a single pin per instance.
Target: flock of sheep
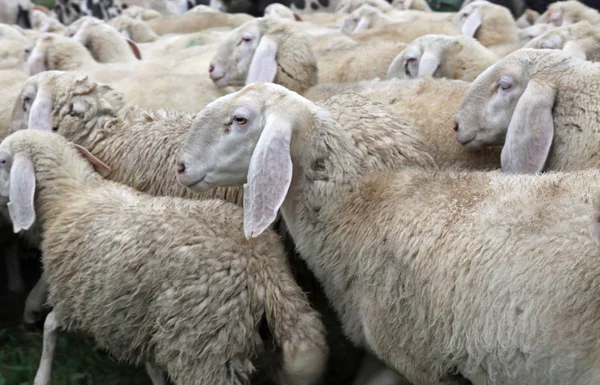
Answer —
(380, 195)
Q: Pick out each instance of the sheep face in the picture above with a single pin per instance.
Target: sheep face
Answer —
(5, 164)
(534, 31)
(489, 23)
(231, 63)
(429, 55)
(569, 39)
(563, 13)
(486, 110)
(360, 19)
(225, 139)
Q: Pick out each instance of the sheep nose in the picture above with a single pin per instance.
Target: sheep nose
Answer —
(180, 168)
(456, 126)
(211, 68)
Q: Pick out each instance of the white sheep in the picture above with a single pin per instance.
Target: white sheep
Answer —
(105, 43)
(581, 40)
(16, 12)
(528, 18)
(195, 22)
(162, 88)
(454, 57)
(265, 50)
(134, 29)
(485, 274)
(191, 304)
(561, 13)
(487, 22)
(95, 117)
(542, 105)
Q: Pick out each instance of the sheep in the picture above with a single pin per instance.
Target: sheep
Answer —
(278, 10)
(349, 6)
(541, 105)
(189, 23)
(141, 13)
(487, 22)
(265, 49)
(136, 30)
(407, 31)
(46, 23)
(454, 57)
(50, 183)
(534, 31)
(527, 19)
(429, 105)
(487, 273)
(417, 5)
(105, 43)
(16, 12)
(581, 40)
(563, 13)
(369, 17)
(115, 132)
(54, 52)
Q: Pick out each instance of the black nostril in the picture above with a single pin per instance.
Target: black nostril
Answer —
(455, 126)
(211, 68)
(180, 167)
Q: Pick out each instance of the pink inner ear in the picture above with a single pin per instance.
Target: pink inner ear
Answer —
(135, 49)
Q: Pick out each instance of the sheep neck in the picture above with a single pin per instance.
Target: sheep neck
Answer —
(60, 179)
(329, 161)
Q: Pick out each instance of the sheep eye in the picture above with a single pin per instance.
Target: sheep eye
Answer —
(240, 120)
(246, 39)
(504, 85)
(26, 99)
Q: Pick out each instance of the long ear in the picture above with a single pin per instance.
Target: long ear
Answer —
(269, 175)
(17, 119)
(40, 116)
(429, 64)
(574, 49)
(263, 67)
(363, 25)
(100, 167)
(531, 130)
(134, 48)
(21, 194)
(472, 24)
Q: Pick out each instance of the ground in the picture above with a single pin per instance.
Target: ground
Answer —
(76, 362)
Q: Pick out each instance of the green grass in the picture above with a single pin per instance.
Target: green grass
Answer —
(76, 363)
(46, 3)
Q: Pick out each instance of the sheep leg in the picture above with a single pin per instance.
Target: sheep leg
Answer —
(374, 372)
(34, 303)
(44, 372)
(155, 374)
(13, 268)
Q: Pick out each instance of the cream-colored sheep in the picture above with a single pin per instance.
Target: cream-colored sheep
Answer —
(454, 57)
(417, 5)
(125, 136)
(581, 40)
(487, 22)
(195, 22)
(407, 31)
(140, 13)
(203, 8)
(136, 30)
(489, 274)
(542, 105)
(369, 17)
(534, 31)
(280, 11)
(105, 43)
(191, 304)
(528, 18)
(173, 91)
(429, 105)
(46, 23)
(563, 13)
(265, 50)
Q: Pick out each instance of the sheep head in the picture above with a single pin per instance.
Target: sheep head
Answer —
(511, 103)
(246, 137)
(65, 102)
(574, 39)
(265, 50)
(429, 55)
(487, 22)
